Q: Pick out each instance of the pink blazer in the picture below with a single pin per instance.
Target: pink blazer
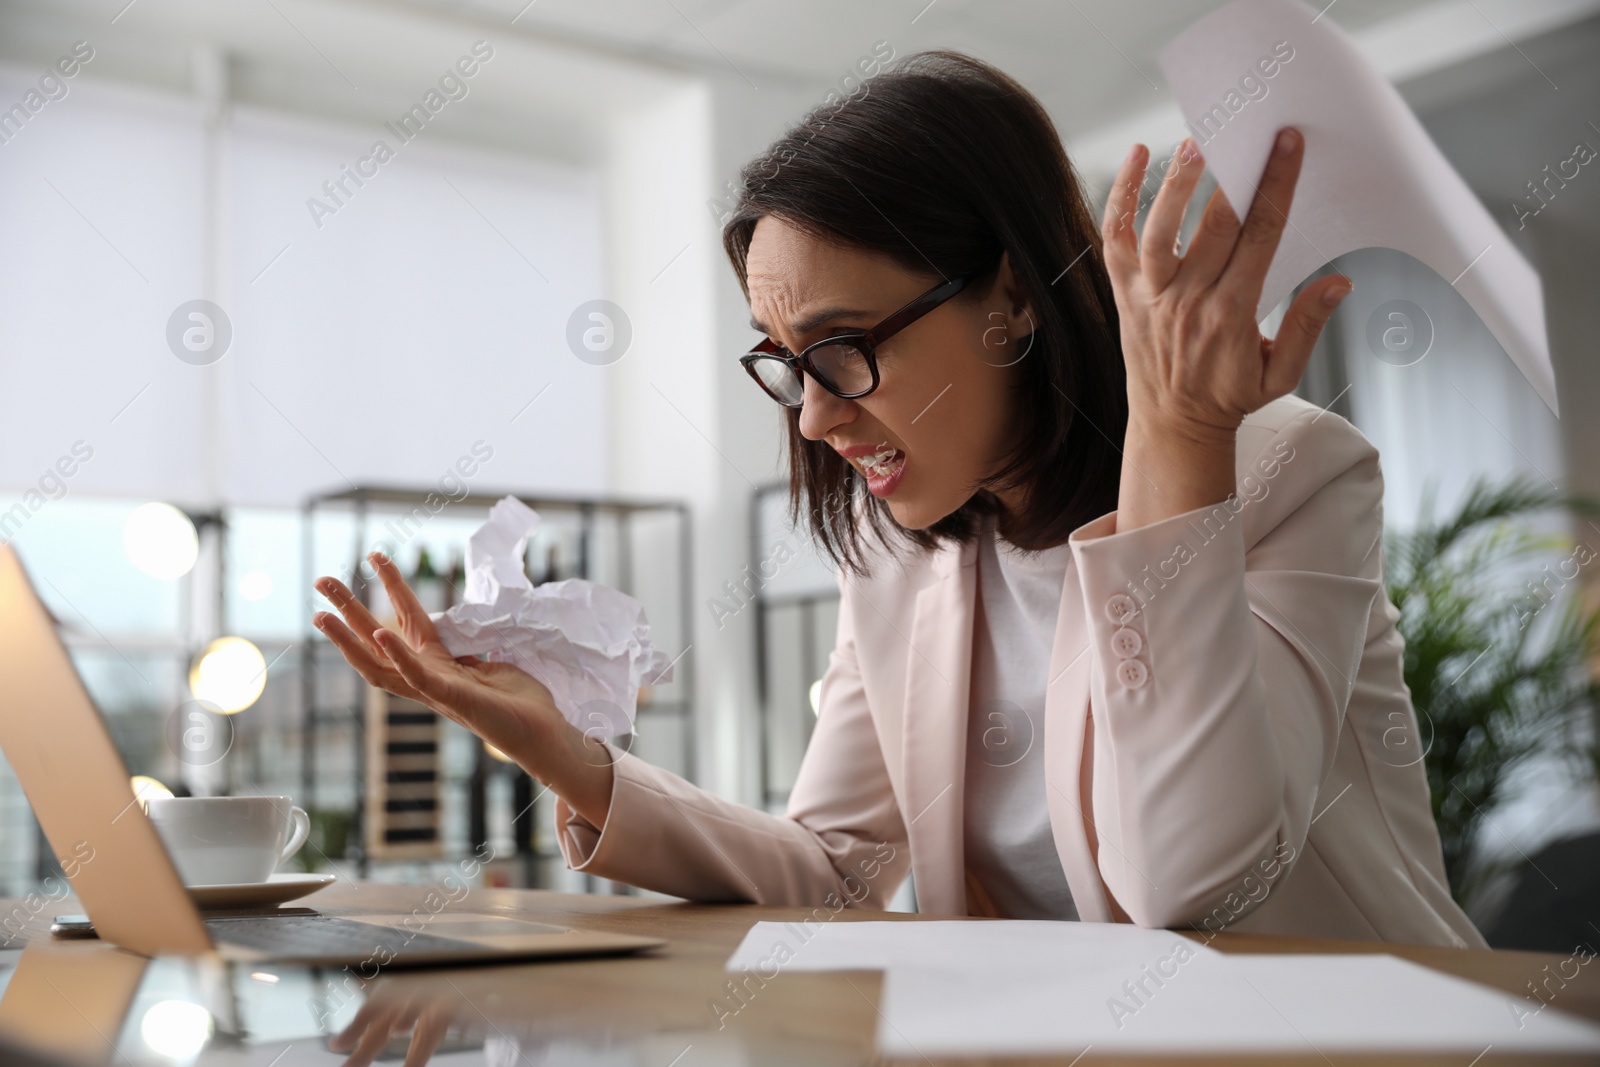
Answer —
(1228, 738)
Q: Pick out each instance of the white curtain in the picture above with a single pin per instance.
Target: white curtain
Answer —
(416, 322)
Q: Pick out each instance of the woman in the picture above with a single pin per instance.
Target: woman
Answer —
(1113, 640)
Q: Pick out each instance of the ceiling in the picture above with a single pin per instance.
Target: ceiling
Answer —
(818, 40)
(1091, 62)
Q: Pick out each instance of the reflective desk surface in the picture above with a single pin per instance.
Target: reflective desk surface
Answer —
(84, 1002)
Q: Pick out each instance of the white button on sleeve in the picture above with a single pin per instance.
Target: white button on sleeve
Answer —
(1132, 673)
(1120, 608)
(1126, 642)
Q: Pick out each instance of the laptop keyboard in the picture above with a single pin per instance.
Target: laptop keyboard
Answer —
(322, 935)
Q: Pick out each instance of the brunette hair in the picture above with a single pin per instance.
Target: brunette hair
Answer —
(942, 162)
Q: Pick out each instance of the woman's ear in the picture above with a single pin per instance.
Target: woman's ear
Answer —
(1009, 288)
(1008, 316)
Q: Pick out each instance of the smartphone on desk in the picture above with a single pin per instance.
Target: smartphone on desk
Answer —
(78, 926)
(72, 926)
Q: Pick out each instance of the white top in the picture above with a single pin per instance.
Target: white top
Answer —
(1009, 846)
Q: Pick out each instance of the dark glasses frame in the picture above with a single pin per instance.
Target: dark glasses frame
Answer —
(864, 341)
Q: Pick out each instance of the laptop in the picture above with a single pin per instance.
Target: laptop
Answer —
(79, 787)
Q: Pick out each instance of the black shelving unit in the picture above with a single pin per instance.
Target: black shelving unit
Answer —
(812, 655)
(364, 504)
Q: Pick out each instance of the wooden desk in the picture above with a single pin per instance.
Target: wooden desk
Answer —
(662, 1005)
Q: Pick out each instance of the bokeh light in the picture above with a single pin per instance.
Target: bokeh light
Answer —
(229, 675)
(161, 541)
(145, 788)
(176, 1029)
(256, 585)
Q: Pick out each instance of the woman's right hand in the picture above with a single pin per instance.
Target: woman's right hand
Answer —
(501, 703)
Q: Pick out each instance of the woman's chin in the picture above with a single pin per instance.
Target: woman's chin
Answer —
(913, 514)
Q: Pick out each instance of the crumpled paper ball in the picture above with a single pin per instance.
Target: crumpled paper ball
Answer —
(588, 643)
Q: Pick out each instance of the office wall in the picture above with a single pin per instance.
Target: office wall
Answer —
(687, 420)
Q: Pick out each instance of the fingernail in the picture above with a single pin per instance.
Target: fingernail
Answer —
(1287, 140)
(1133, 153)
(1188, 150)
(1336, 293)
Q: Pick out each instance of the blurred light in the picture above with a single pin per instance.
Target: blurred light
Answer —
(816, 697)
(265, 976)
(496, 753)
(229, 675)
(176, 1029)
(257, 585)
(161, 541)
(145, 787)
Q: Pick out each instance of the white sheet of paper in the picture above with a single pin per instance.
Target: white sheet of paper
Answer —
(1371, 175)
(1015, 987)
(1215, 1003)
(1002, 943)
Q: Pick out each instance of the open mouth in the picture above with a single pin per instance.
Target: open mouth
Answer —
(882, 463)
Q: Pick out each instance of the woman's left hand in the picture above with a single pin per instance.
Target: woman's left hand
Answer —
(1197, 363)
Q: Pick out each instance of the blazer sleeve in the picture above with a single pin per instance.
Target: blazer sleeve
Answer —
(1220, 673)
(840, 844)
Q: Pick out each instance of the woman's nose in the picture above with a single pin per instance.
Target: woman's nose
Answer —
(821, 411)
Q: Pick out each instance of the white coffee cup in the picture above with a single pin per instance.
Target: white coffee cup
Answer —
(228, 840)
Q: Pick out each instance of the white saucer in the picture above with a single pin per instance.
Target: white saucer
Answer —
(277, 889)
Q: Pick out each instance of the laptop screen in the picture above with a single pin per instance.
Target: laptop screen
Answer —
(76, 781)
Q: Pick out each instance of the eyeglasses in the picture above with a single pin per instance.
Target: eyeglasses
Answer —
(845, 364)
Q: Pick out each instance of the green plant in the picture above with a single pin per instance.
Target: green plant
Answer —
(330, 835)
(1496, 663)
